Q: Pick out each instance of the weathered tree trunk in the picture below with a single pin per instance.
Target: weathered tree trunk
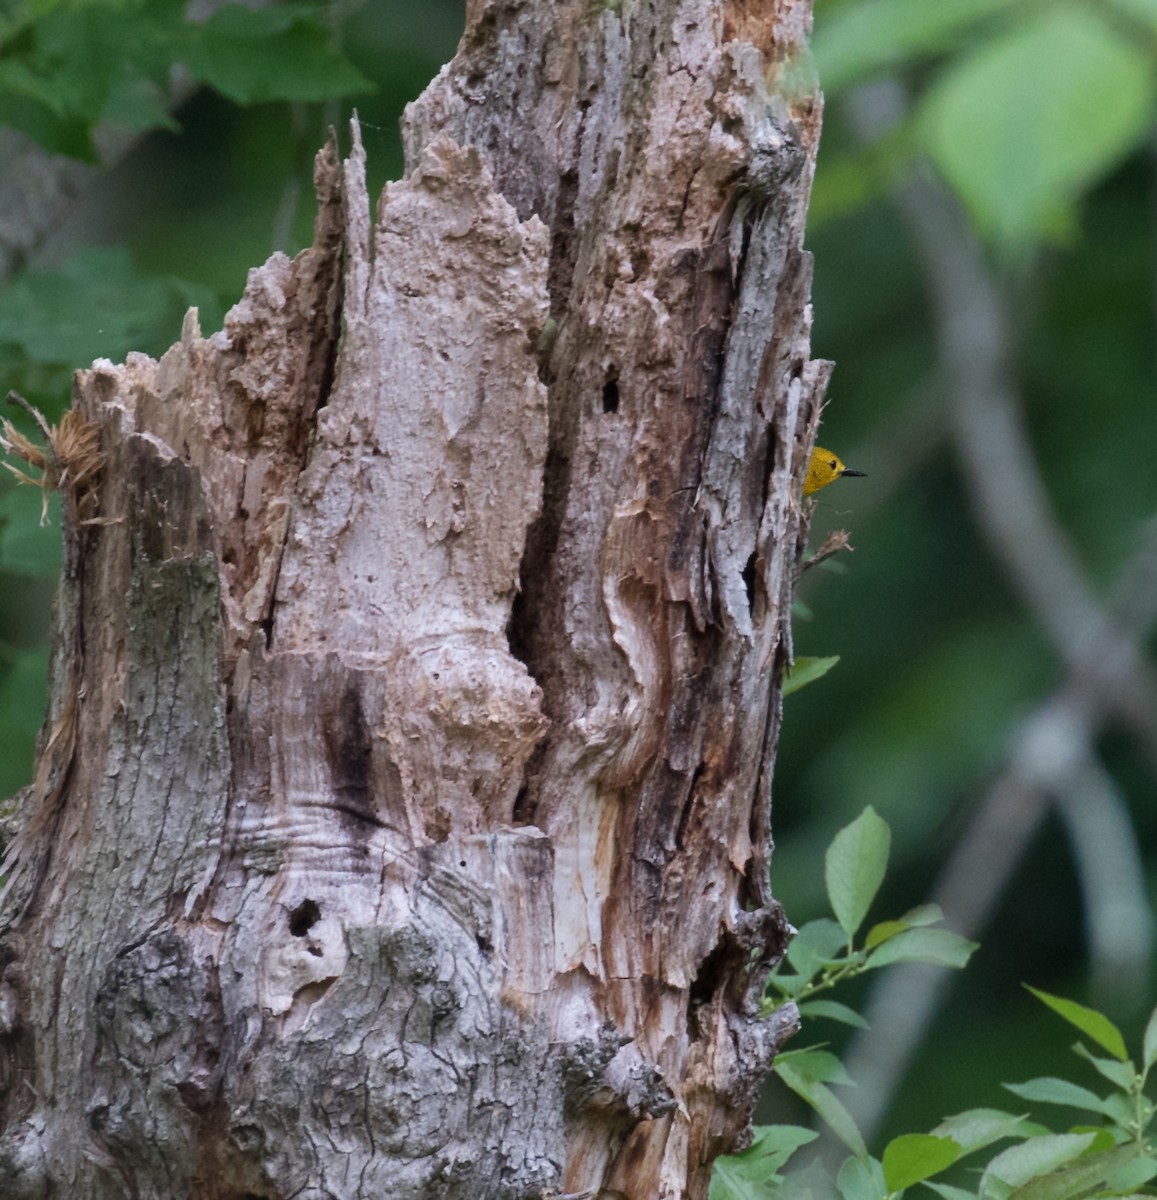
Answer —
(402, 822)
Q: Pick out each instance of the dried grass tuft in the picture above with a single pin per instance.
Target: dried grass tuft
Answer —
(68, 461)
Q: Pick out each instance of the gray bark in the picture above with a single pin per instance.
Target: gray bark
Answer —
(402, 822)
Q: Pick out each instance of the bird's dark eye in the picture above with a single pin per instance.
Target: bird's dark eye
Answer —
(832, 464)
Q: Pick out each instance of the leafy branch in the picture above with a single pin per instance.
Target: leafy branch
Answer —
(1112, 1153)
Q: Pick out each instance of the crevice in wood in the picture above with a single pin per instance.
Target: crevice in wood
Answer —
(563, 243)
(542, 537)
(715, 974)
(751, 582)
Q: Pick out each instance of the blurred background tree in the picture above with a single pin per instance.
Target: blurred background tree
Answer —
(983, 231)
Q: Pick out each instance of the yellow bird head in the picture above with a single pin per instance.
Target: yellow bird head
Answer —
(823, 469)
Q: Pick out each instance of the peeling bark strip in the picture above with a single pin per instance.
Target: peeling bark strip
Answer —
(421, 671)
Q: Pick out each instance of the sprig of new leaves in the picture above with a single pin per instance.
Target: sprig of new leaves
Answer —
(824, 953)
(1111, 1153)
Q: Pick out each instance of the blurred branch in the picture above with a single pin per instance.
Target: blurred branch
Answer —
(1052, 757)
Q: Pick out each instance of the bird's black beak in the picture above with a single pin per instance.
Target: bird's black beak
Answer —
(849, 471)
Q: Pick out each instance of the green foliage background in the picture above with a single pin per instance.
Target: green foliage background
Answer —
(1037, 116)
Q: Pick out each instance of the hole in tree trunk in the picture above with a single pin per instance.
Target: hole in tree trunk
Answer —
(611, 395)
(304, 917)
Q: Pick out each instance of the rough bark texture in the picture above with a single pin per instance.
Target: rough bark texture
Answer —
(402, 823)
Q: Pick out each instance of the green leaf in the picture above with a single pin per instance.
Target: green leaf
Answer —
(979, 1127)
(1119, 1108)
(784, 985)
(776, 1140)
(854, 868)
(925, 914)
(1131, 1176)
(820, 1065)
(1037, 1156)
(820, 1097)
(86, 61)
(277, 53)
(1028, 121)
(915, 1156)
(939, 946)
(1078, 1178)
(1103, 1138)
(57, 134)
(824, 936)
(873, 35)
(1050, 1090)
(809, 1182)
(1149, 1041)
(139, 105)
(17, 78)
(882, 931)
(97, 305)
(1090, 1022)
(860, 1179)
(806, 670)
(833, 1010)
(1119, 1074)
(951, 1193)
(815, 945)
(752, 1174)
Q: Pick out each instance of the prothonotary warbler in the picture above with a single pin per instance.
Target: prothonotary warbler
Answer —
(823, 469)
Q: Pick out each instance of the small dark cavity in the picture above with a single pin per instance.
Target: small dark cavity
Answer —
(749, 582)
(709, 979)
(611, 395)
(304, 917)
